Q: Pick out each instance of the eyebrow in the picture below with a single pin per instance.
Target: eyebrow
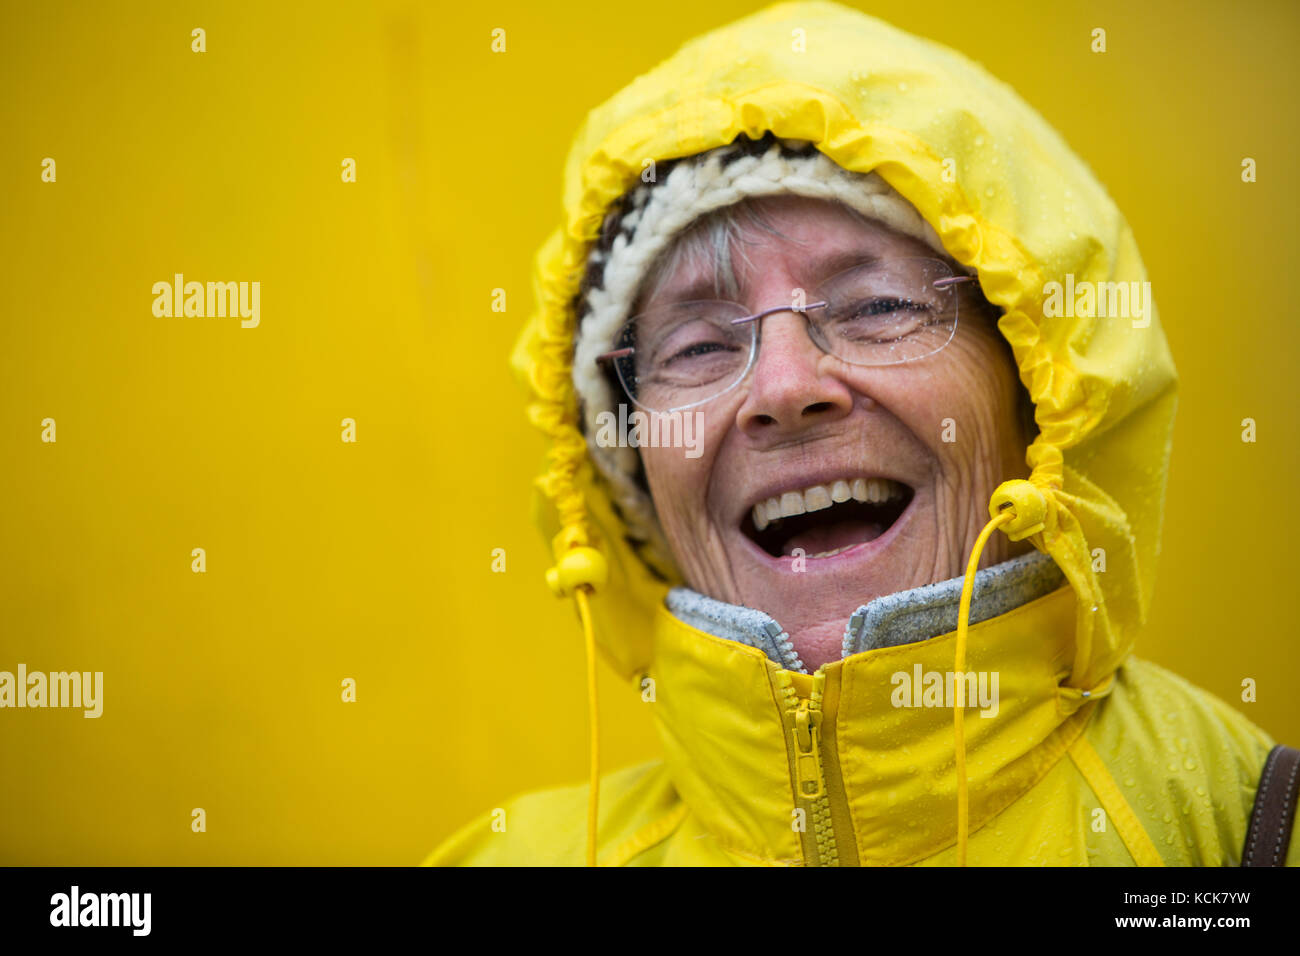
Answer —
(824, 267)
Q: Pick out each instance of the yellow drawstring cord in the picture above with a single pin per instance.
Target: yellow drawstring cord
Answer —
(593, 716)
(1020, 509)
(581, 572)
(959, 697)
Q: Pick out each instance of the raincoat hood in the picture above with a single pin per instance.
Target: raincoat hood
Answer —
(1007, 198)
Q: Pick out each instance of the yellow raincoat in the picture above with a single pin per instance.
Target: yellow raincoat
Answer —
(1094, 757)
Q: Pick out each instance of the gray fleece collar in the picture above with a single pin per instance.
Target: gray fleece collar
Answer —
(907, 617)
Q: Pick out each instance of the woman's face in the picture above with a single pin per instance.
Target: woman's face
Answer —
(932, 437)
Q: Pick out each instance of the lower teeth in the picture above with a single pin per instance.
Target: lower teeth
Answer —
(827, 554)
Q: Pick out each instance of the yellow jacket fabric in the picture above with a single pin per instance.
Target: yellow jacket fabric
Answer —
(1094, 757)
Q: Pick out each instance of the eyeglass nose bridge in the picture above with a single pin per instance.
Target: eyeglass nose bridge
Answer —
(778, 308)
(945, 283)
(812, 331)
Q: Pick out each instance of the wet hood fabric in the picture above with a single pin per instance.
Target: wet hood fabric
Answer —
(1006, 196)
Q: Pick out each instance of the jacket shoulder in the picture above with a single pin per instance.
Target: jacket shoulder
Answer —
(1186, 762)
(549, 827)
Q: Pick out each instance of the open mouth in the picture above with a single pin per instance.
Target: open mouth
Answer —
(825, 520)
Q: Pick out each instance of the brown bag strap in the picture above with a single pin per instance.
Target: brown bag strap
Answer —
(1269, 833)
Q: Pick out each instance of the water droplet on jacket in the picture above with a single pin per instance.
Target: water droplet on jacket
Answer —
(979, 140)
(1130, 782)
(1073, 236)
(902, 87)
(988, 191)
(1189, 764)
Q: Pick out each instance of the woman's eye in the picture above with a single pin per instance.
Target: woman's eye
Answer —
(880, 319)
(871, 307)
(695, 350)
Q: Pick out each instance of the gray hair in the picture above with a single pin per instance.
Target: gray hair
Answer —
(714, 238)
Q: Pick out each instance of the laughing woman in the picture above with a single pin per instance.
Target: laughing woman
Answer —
(887, 602)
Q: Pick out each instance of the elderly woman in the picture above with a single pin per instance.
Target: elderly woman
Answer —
(884, 534)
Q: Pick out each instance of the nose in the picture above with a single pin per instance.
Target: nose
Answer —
(793, 385)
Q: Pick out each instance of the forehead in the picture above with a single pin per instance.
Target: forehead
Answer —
(804, 239)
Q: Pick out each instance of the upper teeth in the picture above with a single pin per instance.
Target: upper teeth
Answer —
(817, 497)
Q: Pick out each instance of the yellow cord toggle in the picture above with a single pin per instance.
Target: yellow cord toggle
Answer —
(579, 567)
(1026, 504)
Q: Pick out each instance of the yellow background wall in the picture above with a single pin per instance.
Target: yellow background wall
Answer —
(372, 560)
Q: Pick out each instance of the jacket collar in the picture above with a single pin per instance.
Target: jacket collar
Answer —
(729, 719)
(914, 615)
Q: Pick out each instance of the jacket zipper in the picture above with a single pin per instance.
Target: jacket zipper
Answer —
(803, 726)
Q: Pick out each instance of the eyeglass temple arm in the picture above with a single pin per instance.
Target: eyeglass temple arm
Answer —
(616, 354)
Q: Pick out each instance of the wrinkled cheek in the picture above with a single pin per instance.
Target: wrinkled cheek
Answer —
(677, 487)
(979, 424)
(681, 484)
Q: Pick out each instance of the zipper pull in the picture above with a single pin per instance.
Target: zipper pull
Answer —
(807, 753)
